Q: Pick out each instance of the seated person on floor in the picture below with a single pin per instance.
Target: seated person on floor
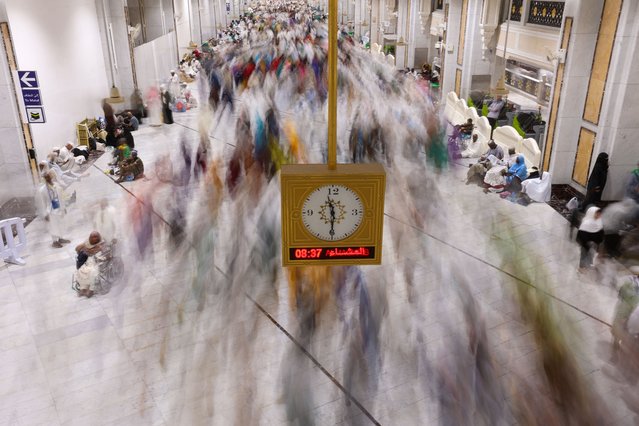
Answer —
(77, 152)
(121, 153)
(495, 177)
(472, 149)
(466, 129)
(65, 178)
(131, 122)
(113, 139)
(516, 174)
(518, 169)
(131, 168)
(88, 263)
(59, 177)
(477, 171)
(64, 159)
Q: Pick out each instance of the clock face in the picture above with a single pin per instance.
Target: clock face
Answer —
(332, 212)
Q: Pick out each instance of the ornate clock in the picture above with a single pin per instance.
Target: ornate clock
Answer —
(332, 216)
(332, 212)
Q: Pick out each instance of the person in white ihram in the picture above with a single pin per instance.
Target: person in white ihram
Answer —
(51, 204)
(174, 85)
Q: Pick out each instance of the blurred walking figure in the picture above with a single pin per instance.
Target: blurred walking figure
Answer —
(167, 113)
(297, 390)
(105, 221)
(627, 303)
(589, 236)
(617, 218)
(632, 187)
(142, 223)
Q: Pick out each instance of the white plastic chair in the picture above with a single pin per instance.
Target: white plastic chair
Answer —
(10, 248)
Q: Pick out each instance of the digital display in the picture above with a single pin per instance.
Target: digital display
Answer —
(324, 253)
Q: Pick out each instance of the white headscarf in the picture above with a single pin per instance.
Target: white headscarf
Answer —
(589, 223)
(633, 322)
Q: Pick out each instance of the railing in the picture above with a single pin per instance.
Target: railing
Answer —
(547, 89)
(529, 85)
(547, 13)
(516, 10)
(522, 82)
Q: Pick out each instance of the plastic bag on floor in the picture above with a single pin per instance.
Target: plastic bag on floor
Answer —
(572, 204)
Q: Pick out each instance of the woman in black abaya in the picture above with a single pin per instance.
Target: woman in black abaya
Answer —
(596, 182)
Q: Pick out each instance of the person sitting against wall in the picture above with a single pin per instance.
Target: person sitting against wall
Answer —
(131, 168)
(53, 165)
(121, 153)
(467, 128)
(63, 179)
(477, 171)
(473, 148)
(64, 158)
(113, 139)
(496, 175)
(131, 122)
(77, 152)
(515, 175)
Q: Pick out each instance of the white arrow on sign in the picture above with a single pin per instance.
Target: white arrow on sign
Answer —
(27, 80)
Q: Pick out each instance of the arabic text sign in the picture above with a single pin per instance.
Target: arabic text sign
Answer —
(31, 97)
(28, 79)
(323, 253)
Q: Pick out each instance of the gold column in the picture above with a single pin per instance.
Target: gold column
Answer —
(444, 40)
(462, 33)
(583, 156)
(409, 36)
(601, 60)
(559, 78)
(458, 76)
(26, 127)
(332, 84)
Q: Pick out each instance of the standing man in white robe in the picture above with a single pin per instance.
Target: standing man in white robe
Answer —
(105, 221)
(50, 201)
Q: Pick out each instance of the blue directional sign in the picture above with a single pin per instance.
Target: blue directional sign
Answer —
(31, 97)
(28, 79)
(35, 114)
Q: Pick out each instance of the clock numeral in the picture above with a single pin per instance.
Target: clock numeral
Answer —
(333, 191)
(356, 212)
(308, 212)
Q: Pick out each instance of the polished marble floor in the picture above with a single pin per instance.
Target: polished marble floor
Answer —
(145, 354)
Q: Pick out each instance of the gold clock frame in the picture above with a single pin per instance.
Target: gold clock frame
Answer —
(299, 180)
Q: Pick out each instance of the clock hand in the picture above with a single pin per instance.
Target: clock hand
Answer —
(331, 206)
